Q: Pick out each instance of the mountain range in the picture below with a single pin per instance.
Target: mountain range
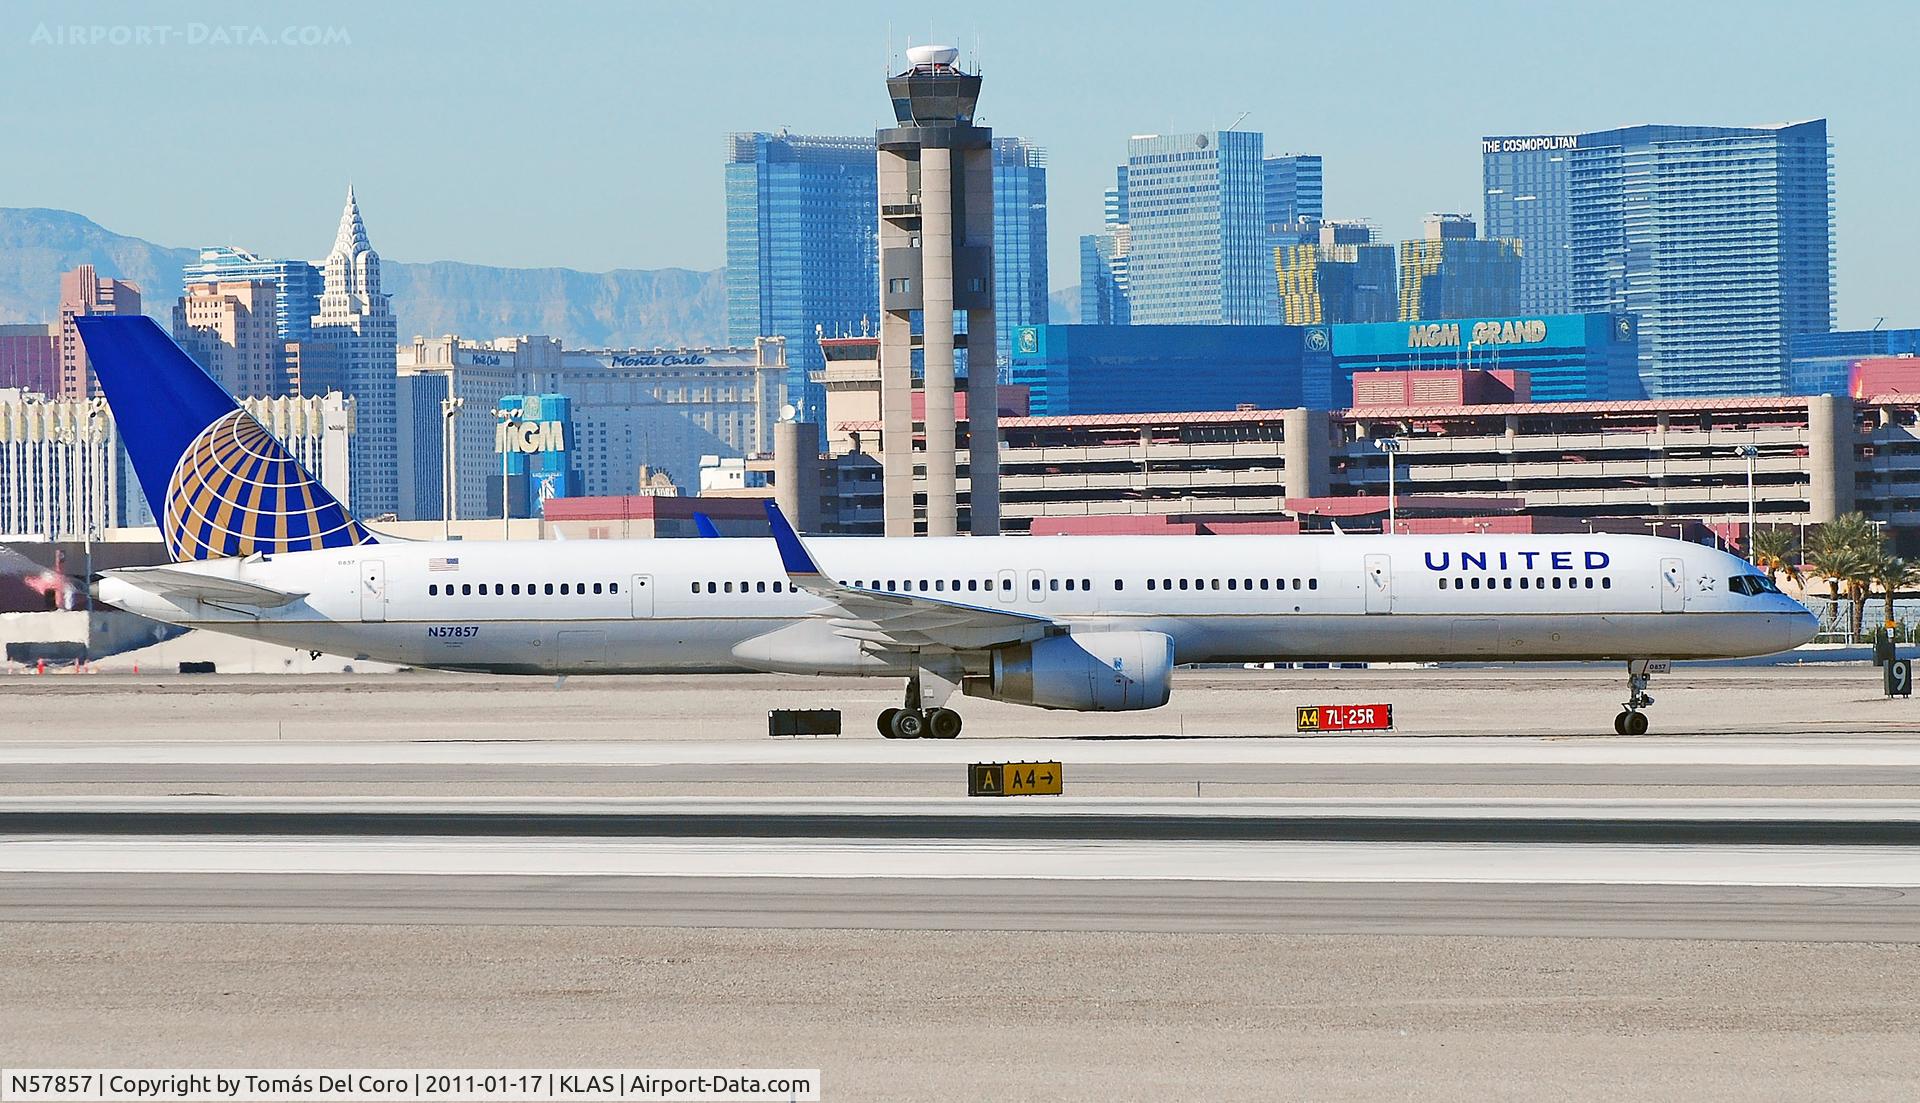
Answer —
(626, 307)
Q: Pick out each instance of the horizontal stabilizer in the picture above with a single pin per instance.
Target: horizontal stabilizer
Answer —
(172, 583)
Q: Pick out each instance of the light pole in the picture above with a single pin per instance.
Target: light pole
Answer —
(449, 474)
(509, 423)
(1752, 454)
(95, 411)
(1390, 446)
(65, 504)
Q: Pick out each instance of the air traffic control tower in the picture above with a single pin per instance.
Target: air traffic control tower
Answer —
(936, 261)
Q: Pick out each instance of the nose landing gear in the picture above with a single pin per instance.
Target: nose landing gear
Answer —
(1631, 720)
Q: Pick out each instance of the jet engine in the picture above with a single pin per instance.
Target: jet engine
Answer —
(1084, 672)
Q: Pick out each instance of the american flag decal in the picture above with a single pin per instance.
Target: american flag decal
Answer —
(438, 564)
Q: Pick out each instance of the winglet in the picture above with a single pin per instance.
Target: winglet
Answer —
(703, 524)
(793, 553)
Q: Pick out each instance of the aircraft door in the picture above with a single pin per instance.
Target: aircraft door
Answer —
(373, 590)
(640, 593)
(1379, 584)
(1009, 586)
(1673, 586)
(1036, 585)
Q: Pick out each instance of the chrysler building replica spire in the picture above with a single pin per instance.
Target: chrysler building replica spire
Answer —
(356, 322)
(353, 269)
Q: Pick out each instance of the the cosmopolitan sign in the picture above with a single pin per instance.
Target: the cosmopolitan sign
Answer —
(1532, 143)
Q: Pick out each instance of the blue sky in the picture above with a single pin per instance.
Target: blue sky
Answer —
(589, 135)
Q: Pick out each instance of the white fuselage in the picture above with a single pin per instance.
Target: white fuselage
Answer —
(695, 605)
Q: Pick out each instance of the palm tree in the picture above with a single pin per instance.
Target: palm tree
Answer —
(1893, 574)
(1843, 551)
(1773, 552)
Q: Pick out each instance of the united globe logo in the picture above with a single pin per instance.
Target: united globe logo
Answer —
(236, 491)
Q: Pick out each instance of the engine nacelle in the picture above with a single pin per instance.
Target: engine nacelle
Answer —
(1085, 672)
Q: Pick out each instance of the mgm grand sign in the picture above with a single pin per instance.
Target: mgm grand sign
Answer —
(1446, 335)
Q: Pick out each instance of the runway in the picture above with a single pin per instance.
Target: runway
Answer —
(1836, 767)
(1188, 906)
(1735, 868)
(319, 872)
(1110, 820)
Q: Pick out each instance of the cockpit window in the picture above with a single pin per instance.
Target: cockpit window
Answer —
(1753, 585)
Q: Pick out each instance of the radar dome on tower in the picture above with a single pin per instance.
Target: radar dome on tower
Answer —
(932, 56)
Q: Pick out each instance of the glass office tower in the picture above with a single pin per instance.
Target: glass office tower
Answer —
(1719, 238)
(801, 246)
(1197, 207)
(1295, 187)
(802, 249)
(297, 284)
(1019, 239)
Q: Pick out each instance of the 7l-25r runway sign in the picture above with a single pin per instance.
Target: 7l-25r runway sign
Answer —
(1344, 718)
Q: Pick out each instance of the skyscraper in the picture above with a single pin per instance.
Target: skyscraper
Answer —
(1452, 273)
(356, 321)
(83, 292)
(1197, 206)
(1294, 188)
(1103, 280)
(1342, 277)
(1019, 239)
(1105, 298)
(1719, 238)
(801, 250)
(229, 329)
(297, 284)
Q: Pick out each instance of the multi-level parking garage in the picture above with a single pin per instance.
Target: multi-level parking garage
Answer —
(1607, 463)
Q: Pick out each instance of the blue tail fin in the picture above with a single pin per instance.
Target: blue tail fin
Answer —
(704, 525)
(220, 485)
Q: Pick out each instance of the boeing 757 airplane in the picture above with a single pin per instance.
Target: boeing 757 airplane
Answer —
(260, 549)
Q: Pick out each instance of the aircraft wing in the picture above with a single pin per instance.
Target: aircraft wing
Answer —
(891, 621)
(171, 582)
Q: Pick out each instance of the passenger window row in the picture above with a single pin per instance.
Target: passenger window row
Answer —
(1505, 582)
(514, 589)
(1235, 584)
(744, 587)
(942, 585)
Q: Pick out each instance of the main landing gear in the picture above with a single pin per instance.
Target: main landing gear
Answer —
(922, 716)
(919, 723)
(1631, 720)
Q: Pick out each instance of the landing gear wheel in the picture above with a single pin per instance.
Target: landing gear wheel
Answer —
(1636, 723)
(885, 722)
(909, 724)
(1620, 723)
(943, 724)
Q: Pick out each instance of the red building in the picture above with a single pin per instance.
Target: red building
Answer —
(30, 358)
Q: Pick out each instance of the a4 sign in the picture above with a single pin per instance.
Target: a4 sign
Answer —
(1016, 779)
